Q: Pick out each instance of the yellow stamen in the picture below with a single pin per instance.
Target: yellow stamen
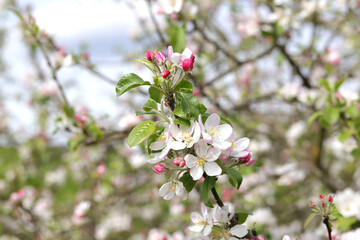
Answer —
(214, 132)
(201, 222)
(201, 161)
(162, 137)
(233, 145)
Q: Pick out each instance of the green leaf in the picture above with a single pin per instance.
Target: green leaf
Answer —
(147, 64)
(150, 105)
(352, 111)
(184, 85)
(345, 135)
(325, 83)
(356, 153)
(207, 185)
(129, 81)
(144, 113)
(235, 178)
(155, 94)
(140, 133)
(188, 181)
(177, 37)
(190, 106)
(331, 115)
(242, 216)
(75, 142)
(313, 117)
(345, 224)
(309, 218)
(339, 83)
(182, 121)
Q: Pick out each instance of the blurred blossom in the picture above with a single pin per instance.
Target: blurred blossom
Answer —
(262, 216)
(290, 90)
(291, 177)
(332, 57)
(260, 145)
(42, 208)
(170, 6)
(48, 89)
(249, 25)
(352, 235)
(341, 150)
(157, 234)
(295, 131)
(129, 120)
(56, 177)
(80, 211)
(348, 203)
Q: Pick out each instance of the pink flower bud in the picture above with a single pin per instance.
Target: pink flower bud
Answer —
(159, 168)
(150, 55)
(260, 237)
(101, 169)
(81, 118)
(323, 204)
(62, 52)
(160, 57)
(188, 64)
(196, 92)
(321, 196)
(330, 199)
(166, 73)
(312, 205)
(179, 161)
(247, 158)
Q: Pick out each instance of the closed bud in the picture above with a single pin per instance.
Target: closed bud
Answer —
(150, 55)
(322, 203)
(330, 199)
(188, 65)
(179, 161)
(321, 196)
(312, 205)
(160, 57)
(166, 74)
(159, 168)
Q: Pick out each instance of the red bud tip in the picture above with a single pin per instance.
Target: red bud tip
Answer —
(150, 56)
(166, 74)
(312, 205)
(321, 196)
(330, 199)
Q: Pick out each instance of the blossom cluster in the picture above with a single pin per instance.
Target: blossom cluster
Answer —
(196, 149)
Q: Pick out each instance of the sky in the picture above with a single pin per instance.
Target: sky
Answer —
(103, 26)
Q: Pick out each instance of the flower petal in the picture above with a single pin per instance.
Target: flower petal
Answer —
(201, 148)
(176, 58)
(175, 131)
(186, 53)
(157, 145)
(207, 230)
(191, 160)
(225, 131)
(212, 169)
(196, 228)
(221, 144)
(180, 191)
(241, 144)
(239, 230)
(212, 121)
(176, 145)
(196, 217)
(197, 172)
(165, 189)
(213, 154)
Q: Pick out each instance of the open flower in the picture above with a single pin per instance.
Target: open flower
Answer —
(205, 161)
(223, 214)
(237, 148)
(202, 222)
(178, 58)
(164, 143)
(214, 133)
(186, 137)
(169, 189)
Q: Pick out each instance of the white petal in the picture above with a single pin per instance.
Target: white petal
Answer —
(207, 230)
(176, 145)
(164, 152)
(175, 131)
(170, 52)
(169, 195)
(212, 169)
(201, 148)
(213, 154)
(221, 144)
(204, 210)
(176, 58)
(191, 160)
(196, 217)
(197, 172)
(212, 121)
(241, 144)
(157, 145)
(239, 230)
(181, 191)
(207, 138)
(225, 130)
(187, 53)
(155, 159)
(202, 129)
(196, 135)
(165, 189)
(239, 154)
(196, 228)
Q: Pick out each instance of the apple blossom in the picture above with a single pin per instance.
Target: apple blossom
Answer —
(171, 6)
(205, 161)
(179, 161)
(178, 58)
(223, 214)
(169, 189)
(160, 57)
(234, 233)
(150, 55)
(287, 237)
(188, 63)
(203, 223)
(186, 136)
(166, 73)
(214, 133)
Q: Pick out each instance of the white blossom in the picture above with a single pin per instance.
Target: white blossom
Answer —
(203, 223)
(169, 189)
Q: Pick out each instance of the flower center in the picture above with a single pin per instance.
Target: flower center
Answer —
(173, 188)
(162, 137)
(214, 132)
(233, 145)
(186, 137)
(202, 222)
(201, 161)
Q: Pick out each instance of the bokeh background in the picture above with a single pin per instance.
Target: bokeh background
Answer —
(284, 73)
